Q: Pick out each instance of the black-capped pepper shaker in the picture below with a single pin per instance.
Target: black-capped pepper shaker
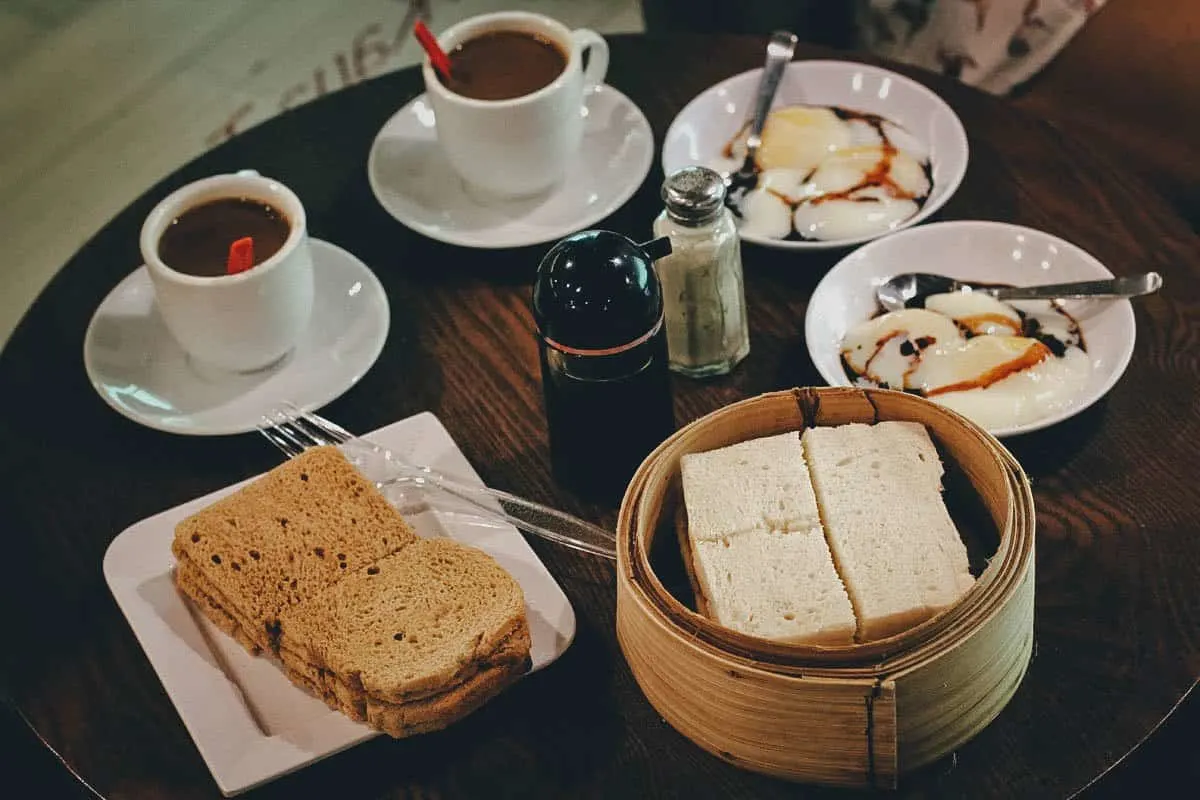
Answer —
(599, 312)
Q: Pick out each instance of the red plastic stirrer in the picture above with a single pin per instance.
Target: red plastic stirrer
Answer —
(241, 256)
(437, 57)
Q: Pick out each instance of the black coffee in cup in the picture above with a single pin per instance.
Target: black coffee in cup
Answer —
(502, 65)
(197, 242)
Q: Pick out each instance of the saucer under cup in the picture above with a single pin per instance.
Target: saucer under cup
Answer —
(412, 180)
(138, 368)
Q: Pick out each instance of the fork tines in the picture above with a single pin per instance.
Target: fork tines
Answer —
(293, 430)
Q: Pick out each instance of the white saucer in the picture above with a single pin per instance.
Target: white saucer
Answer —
(415, 184)
(138, 368)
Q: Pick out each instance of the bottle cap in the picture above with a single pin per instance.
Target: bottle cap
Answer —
(694, 195)
(596, 291)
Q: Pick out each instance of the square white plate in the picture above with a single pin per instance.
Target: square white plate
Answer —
(250, 723)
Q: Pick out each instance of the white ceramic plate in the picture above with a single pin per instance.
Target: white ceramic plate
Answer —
(990, 252)
(250, 723)
(136, 366)
(414, 182)
(702, 128)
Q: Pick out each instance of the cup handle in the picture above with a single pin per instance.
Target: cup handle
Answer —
(597, 67)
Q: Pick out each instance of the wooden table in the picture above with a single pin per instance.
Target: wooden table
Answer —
(1118, 611)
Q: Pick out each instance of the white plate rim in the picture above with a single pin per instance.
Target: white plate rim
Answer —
(1121, 360)
(926, 211)
(312, 404)
(254, 765)
(619, 199)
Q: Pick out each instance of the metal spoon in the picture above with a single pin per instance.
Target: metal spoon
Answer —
(897, 292)
(779, 52)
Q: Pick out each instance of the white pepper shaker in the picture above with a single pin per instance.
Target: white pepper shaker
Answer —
(703, 295)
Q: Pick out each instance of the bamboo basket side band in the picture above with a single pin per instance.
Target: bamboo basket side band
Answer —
(835, 731)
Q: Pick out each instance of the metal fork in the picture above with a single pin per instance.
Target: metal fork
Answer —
(293, 431)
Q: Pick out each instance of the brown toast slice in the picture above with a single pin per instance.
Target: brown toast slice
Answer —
(210, 602)
(339, 694)
(431, 713)
(412, 624)
(287, 536)
(439, 711)
(312, 564)
(332, 688)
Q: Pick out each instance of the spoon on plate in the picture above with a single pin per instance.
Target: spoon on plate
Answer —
(897, 292)
(779, 52)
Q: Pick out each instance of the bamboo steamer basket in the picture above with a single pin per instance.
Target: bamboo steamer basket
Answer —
(857, 715)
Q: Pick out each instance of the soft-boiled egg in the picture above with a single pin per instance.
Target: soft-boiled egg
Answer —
(871, 211)
(765, 214)
(840, 173)
(854, 167)
(1051, 323)
(800, 137)
(788, 184)
(1027, 396)
(975, 364)
(904, 140)
(885, 349)
(863, 132)
(960, 351)
(977, 312)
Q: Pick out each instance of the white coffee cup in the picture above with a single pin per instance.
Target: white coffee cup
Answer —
(246, 321)
(518, 147)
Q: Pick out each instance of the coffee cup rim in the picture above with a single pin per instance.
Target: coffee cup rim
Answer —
(204, 190)
(481, 23)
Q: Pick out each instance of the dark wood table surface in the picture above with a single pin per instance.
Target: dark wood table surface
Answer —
(1118, 606)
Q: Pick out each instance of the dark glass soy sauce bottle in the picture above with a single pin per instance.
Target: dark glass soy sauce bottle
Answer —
(599, 312)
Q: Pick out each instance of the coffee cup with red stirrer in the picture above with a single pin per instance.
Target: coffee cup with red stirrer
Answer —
(503, 144)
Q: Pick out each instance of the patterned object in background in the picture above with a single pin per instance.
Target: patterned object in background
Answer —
(993, 44)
